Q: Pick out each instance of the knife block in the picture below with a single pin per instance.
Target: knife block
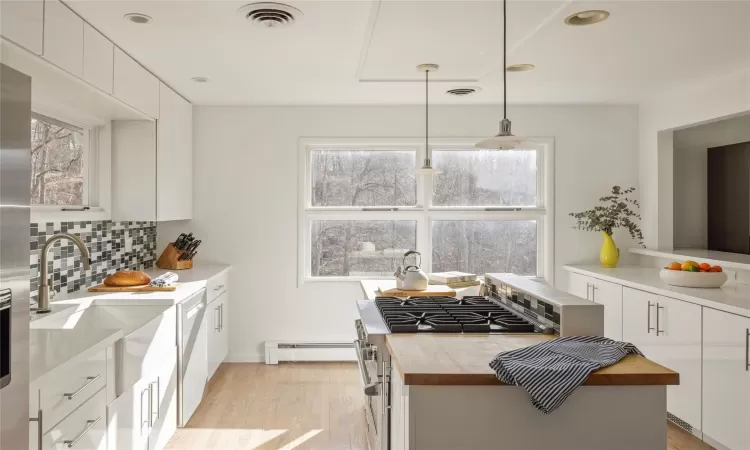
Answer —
(169, 259)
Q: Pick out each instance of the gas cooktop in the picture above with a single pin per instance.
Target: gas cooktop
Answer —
(450, 315)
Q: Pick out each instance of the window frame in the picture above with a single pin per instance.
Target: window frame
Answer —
(424, 213)
(95, 164)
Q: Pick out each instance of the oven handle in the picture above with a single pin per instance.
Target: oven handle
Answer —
(371, 389)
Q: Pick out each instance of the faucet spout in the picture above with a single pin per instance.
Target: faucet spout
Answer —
(44, 288)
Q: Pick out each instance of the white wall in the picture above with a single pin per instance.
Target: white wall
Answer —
(690, 177)
(246, 205)
(682, 107)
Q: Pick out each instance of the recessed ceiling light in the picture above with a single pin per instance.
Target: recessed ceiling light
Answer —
(269, 14)
(463, 91)
(138, 18)
(200, 79)
(589, 17)
(520, 67)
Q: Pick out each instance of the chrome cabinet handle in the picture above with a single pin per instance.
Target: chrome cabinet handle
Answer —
(593, 292)
(384, 387)
(158, 403)
(219, 287)
(588, 286)
(217, 319)
(658, 319)
(747, 351)
(648, 319)
(221, 317)
(145, 422)
(40, 428)
(89, 382)
(89, 425)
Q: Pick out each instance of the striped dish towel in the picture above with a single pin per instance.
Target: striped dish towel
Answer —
(552, 370)
(167, 279)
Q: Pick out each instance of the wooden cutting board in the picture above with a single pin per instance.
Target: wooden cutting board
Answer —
(141, 288)
(433, 290)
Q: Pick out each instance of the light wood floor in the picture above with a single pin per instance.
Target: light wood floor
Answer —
(296, 406)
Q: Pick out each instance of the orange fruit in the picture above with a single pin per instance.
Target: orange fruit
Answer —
(704, 270)
(716, 269)
(704, 267)
(688, 264)
(674, 266)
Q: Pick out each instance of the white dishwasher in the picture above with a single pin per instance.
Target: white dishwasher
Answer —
(193, 355)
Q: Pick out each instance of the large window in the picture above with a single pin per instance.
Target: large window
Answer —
(363, 207)
(59, 163)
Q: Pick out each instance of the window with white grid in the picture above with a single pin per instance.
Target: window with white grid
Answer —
(363, 206)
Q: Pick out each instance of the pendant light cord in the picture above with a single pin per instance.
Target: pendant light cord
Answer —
(427, 113)
(505, 65)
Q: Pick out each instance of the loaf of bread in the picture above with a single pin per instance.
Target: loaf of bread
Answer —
(127, 278)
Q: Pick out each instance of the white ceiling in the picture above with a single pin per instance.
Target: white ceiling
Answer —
(365, 52)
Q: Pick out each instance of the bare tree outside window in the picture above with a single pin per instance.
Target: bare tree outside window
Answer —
(57, 166)
(363, 178)
(485, 178)
(360, 247)
(481, 246)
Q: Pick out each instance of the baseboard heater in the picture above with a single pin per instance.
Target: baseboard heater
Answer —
(309, 351)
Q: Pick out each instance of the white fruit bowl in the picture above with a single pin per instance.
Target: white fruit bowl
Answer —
(693, 279)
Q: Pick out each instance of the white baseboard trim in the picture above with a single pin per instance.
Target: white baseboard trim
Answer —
(308, 351)
(252, 357)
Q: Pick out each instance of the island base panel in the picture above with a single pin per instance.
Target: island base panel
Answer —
(492, 417)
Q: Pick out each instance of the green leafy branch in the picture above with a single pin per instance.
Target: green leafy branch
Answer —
(615, 212)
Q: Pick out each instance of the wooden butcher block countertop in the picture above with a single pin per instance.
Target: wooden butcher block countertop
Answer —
(463, 360)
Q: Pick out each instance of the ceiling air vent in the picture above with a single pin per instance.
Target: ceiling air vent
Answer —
(270, 15)
(463, 91)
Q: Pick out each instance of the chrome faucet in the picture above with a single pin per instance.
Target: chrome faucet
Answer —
(43, 298)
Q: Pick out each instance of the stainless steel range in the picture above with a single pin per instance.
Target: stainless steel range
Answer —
(514, 305)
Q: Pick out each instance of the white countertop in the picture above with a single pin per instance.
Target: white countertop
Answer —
(724, 259)
(190, 281)
(732, 297)
(50, 348)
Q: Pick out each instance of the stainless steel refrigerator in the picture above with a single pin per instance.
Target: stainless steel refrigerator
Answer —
(15, 176)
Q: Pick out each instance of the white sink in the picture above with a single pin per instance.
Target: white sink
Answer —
(125, 318)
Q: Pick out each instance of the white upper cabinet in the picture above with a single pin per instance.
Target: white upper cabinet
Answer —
(63, 37)
(98, 59)
(726, 379)
(23, 23)
(174, 156)
(135, 85)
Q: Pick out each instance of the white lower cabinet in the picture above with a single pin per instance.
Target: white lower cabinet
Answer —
(726, 379)
(605, 293)
(668, 331)
(84, 429)
(144, 416)
(218, 336)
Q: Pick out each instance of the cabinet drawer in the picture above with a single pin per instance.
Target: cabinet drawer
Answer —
(84, 429)
(71, 388)
(217, 285)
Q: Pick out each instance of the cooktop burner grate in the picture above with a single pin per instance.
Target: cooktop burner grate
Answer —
(450, 315)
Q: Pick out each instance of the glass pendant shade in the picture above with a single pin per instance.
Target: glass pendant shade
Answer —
(504, 140)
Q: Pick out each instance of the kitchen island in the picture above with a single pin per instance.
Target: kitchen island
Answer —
(445, 396)
(441, 393)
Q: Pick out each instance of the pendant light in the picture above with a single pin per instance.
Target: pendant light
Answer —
(427, 168)
(505, 140)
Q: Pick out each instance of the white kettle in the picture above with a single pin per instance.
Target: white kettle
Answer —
(411, 278)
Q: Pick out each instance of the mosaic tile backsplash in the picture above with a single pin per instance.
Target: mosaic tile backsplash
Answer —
(529, 306)
(107, 242)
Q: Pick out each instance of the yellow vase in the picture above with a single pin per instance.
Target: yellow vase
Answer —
(610, 254)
